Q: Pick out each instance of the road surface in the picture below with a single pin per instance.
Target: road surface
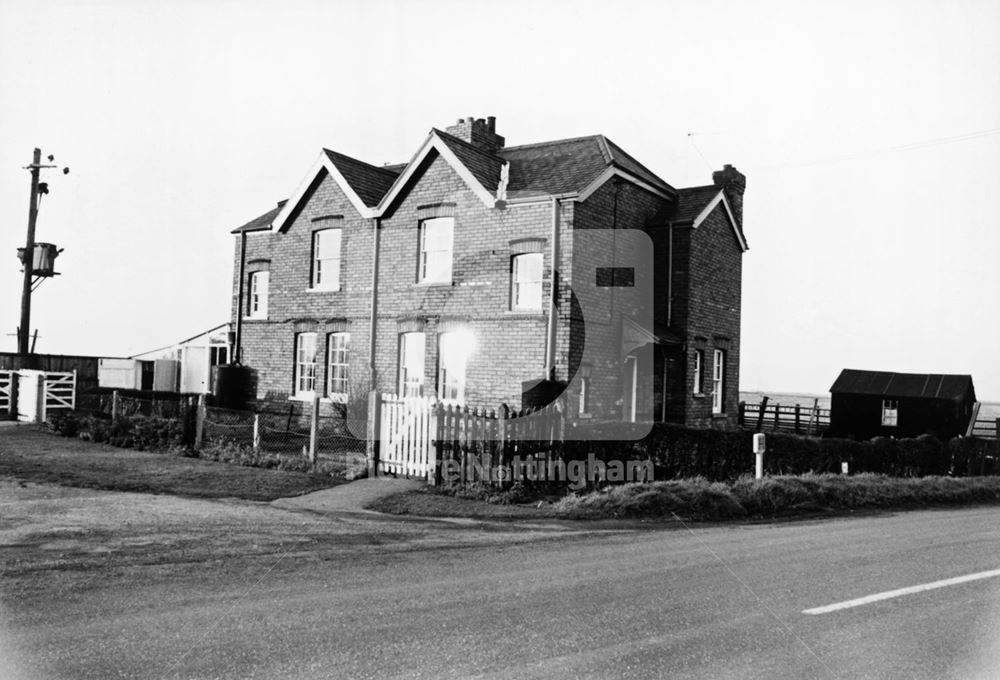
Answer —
(105, 585)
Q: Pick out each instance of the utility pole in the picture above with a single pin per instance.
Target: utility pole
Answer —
(46, 256)
(29, 257)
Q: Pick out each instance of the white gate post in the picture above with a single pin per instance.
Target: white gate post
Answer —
(256, 432)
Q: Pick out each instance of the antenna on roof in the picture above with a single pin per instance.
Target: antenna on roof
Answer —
(690, 137)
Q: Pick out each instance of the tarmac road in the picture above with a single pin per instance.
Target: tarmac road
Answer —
(245, 590)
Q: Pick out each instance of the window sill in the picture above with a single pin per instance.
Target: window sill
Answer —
(720, 415)
(524, 314)
(255, 318)
(699, 395)
(585, 416)
(434, 284)
(324, 290)
(331, 399)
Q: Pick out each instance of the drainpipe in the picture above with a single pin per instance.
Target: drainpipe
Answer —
(237, 349)
(373, 330)
(670, 274)
(550, 340)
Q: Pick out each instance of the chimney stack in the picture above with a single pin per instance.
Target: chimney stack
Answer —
(481, 133)
(734, 183)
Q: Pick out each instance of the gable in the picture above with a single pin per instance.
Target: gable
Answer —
(476, 168)
(696, 205)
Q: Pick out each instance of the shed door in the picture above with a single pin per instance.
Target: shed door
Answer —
(194, 370)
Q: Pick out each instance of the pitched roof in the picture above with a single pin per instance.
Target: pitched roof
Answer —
(484, 166)
(926, 385)
(568, 166)
(369, 182)
(691, 201)
(262, 222)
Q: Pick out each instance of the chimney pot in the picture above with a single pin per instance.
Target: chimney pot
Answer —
(491, 123)
(470, 120)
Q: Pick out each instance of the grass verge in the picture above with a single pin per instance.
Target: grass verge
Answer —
(36, 455)
(700, 499)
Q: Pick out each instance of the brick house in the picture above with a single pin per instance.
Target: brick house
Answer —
(435, 277)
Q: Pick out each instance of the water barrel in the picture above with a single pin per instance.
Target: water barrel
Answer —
(235, 386)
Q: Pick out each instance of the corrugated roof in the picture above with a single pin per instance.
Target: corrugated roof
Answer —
(263, 222)
(369, 182)
(925, 385)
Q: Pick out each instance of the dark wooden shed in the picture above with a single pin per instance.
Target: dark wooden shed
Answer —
(867, 404)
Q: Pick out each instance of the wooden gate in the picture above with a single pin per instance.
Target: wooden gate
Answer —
(59, 391)
(38, 393)
(6, 391)
(407, 428)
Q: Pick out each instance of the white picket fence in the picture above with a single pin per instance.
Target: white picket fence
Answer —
(406, 433)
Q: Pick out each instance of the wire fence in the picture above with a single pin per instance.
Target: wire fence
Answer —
(285, 433)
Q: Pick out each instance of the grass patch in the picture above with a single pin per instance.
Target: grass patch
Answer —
(35, 455)
(700, 499)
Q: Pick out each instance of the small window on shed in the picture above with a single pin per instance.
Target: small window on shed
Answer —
(890, 412)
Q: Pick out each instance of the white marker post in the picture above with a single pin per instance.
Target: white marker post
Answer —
(844, 468)
(759, 446)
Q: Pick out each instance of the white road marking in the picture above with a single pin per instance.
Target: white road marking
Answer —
(902, 591)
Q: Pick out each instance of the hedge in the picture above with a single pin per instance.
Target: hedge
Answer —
(723, 455)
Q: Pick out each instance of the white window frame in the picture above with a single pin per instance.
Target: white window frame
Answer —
(718, 380)
(453, 363)
(305, 365)
(890, 413)
(338, 348)
(426, 255)
(412, 346)
(517, 284)
(260, 284)
(326, 265)
(698, 361)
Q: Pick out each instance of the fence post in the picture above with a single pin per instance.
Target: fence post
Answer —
(502, 414)
(760, 414)
(256, 432)
(374, 423)
(777, 416)
(741, 419)
(114, 406)
(433, 449)
(996, 431)
(314, 431)
(798, 416)
(199, 423)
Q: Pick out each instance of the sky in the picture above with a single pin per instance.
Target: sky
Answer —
(869, 133)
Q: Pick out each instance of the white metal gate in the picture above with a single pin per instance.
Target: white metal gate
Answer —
(406, 430)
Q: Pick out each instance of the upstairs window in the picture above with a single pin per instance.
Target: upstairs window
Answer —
(257, 302)
(305, 365)
(411, 364)
(890, 413)
(326, 259)
(337, 345)
(436, 236)
(526, 282)
(718, 380)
